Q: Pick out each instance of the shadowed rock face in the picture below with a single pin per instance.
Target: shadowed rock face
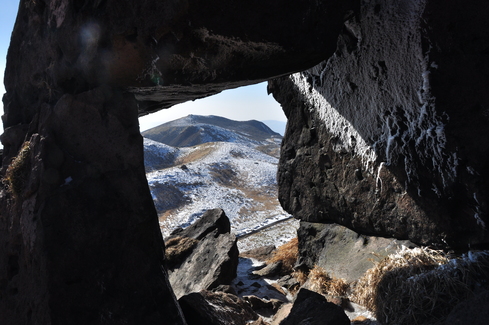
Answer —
(389, 136)
(79, 238)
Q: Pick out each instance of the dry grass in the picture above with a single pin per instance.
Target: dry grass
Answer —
(418, 286)
(177, 249)
(321, 282)
(287, 254)
(18, 171)
(200, 152)
(301, 276)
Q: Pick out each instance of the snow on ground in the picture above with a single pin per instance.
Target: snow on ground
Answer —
(232, 176)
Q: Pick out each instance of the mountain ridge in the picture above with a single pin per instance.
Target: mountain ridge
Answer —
(197, 129)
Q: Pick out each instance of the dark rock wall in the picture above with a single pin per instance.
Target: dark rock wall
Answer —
(79, 238)
(388, 136)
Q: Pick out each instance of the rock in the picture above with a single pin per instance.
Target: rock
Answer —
(264, 307)
(257, 303)
(203, 256)
(279, 288)
(215, 308)
(270, 270)
(289, 282)
(312, 308)
(80, 243)
(212, 262)
(225, 288)
(259, 321)
(263, 253)
(207, 223)
(327, 245)
(472, 311)
(281, 314)
(178, 249)
(388, 136)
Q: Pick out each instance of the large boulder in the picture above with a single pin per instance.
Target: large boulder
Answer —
(341, 252)
(389, 135)
(210, 261)
(216, 308)
(79, 231)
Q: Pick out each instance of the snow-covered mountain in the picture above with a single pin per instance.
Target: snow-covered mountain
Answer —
(195, 129)
(236, 175)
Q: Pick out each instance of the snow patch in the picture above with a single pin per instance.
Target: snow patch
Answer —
(203, 184)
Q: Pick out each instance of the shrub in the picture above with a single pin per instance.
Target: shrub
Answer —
(301, 275)
(419, 286)
(18, 171)
(287, 254)
(321, 282)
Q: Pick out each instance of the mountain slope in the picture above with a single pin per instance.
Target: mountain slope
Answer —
(194, 129)
(237, 176)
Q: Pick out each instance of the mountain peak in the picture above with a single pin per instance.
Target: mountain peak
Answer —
(197, 129)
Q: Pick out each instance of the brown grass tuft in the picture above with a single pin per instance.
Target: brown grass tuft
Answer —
(321, 282)
(177, 249)
(18, 171)
(412, 261)
(419, 286)
(301, 275)
(287, 254)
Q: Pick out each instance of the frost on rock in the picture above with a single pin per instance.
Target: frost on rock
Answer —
(391, 123)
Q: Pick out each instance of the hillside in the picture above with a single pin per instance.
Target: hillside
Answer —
(237, 176)
(195, 129)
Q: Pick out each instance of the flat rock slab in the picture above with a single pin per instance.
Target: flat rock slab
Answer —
(342, 252)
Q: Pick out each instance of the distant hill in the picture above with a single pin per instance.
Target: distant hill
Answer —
(195, 129)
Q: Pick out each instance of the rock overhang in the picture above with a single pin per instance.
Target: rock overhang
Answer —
(84, 223)
(380, 146)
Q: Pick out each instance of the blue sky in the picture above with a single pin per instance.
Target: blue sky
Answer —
(8, 12)
(245, 103)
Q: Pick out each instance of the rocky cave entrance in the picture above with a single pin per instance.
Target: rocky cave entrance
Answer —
(80, 239)
(216, 152)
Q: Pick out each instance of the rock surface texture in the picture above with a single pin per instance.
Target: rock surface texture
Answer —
(341, 252)
(389, 135)
(212, 261)
(216, 308)
(79, 237)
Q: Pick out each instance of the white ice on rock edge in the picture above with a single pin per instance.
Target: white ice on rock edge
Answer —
(404, 108)
(337, 125)
(424, 125)
(254, 170)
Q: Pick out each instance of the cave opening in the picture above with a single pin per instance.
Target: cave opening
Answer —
(219, 152)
